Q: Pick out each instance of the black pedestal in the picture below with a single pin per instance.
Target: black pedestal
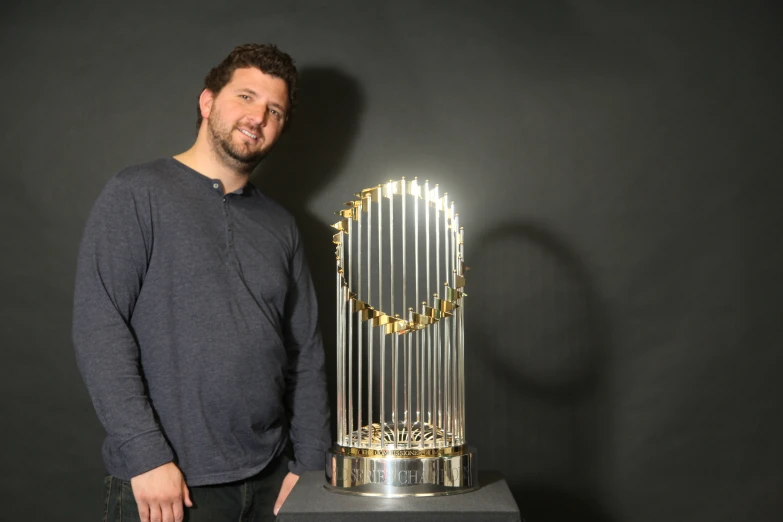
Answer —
(309, 502)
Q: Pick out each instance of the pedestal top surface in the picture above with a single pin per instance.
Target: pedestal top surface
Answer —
(309, 500)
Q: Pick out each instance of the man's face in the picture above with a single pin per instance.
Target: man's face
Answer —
(246, 118)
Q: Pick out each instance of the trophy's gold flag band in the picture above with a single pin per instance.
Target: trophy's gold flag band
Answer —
(400, 279)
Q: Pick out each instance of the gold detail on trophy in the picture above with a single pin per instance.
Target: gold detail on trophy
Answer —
(429, 313)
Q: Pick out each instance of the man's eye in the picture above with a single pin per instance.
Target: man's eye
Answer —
(244, 96)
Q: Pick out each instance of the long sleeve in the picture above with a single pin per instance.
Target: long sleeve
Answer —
(111, 267)
(307, 400)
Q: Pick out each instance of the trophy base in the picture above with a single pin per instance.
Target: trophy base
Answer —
(392, 473)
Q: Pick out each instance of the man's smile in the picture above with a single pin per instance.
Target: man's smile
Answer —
(249, 134)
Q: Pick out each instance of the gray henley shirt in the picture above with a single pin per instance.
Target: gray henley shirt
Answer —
(195, 328)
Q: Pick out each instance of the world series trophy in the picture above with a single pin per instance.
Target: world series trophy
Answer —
(400, 368)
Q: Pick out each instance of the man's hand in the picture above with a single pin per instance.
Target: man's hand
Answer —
(160, 493)
(288, 484)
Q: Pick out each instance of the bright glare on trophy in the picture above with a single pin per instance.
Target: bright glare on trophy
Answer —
(400, 278)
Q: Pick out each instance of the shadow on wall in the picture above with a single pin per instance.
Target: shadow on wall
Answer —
(536, 344)
(312, 152)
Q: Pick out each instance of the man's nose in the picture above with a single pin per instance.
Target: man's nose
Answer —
(258, 116)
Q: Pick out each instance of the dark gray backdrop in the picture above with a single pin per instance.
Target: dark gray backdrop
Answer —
(617, 167)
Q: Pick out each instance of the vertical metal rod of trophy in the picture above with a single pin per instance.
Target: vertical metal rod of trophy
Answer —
(409, 377)
(437, 423)
(360, 324)
(391, 312)
(409, 369)
(370, 366)
(404, 311)
(462, 333)
(345, 307)
(422, 355)
(381, 331)
(338, 304)
(395, 390)
(369, 300)
(427, 293)
(454, 340)
(458, 380)
(345, 311)
(455, 377)
(446, 337)
(351, 313)
(370, 333)
(416, 298)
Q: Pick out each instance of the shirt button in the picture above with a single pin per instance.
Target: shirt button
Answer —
(216, 185)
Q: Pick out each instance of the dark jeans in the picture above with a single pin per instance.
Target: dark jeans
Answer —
(250, 500)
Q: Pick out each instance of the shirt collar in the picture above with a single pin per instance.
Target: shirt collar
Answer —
(215, 184)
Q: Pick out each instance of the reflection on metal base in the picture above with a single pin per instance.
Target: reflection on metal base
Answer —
(398, 476)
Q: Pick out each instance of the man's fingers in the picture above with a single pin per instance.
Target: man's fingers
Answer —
(167, 512)
(163, 511)
(178, 512)
(155, 515)
(144, 511)
(281, 498)
(186, 495)
(160, 493)
(288, 484)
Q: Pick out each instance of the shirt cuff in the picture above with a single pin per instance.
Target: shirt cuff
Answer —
(145, 452)
(311, 461)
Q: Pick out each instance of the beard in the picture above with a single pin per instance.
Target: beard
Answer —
(236, 155)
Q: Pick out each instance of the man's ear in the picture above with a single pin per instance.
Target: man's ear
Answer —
(205, 102)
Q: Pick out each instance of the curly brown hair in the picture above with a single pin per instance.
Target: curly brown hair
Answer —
(265, 57)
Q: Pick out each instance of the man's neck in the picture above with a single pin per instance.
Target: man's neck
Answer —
(202, 160)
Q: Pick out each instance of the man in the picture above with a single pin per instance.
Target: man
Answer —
(195, 317)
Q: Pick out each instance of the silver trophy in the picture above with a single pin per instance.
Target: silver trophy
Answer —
(400, 346)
